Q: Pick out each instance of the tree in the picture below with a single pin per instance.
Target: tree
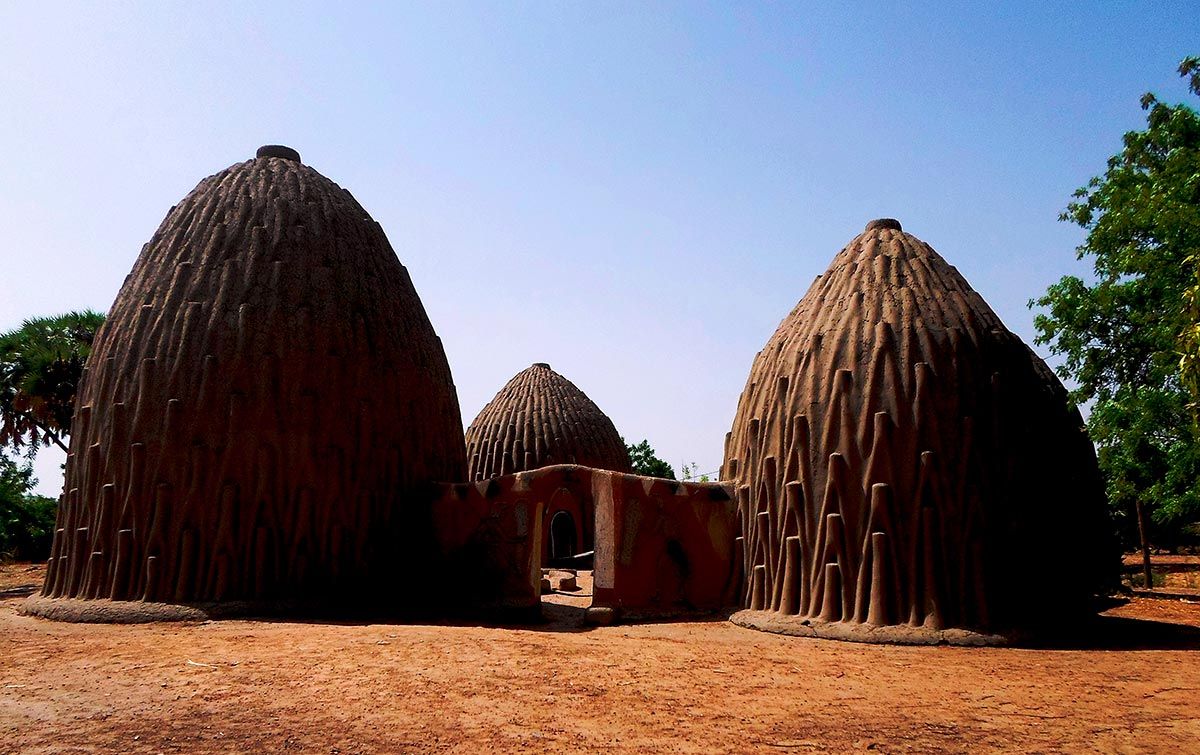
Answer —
(41, 364)
(1187, 167)
(26, 520)
(646, 463)
(690, 473)
(1120, 335)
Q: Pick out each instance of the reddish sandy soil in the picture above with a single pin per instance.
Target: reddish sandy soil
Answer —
(688, 686)
(1179, 573)
(1163, 559)
(17, 576)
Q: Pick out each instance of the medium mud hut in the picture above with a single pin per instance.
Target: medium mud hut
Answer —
(261, 409)
(907, 469)
(539, 418)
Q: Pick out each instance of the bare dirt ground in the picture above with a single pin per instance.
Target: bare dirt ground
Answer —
(1180, 573)
(687, 686)
(20, 577)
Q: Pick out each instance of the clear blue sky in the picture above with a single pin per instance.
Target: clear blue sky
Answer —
(635, 193)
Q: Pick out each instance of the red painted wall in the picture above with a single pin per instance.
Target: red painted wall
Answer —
(663, 546)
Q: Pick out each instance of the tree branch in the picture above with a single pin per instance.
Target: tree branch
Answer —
(58, 442)
(46, 432)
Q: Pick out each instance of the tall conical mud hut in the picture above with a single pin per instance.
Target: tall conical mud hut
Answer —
(540, 418)
(261, 411)
(906, 468)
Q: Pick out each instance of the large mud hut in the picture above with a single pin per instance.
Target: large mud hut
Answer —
(262, 409)
(906, 468)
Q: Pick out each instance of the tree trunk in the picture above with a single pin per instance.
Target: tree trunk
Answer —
(1141, 522)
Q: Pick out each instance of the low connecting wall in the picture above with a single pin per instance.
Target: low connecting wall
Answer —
(661, 546)
(489, 537)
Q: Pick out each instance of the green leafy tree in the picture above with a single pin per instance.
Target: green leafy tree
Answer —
(1186, 202)
(26, 520)
(41, 363)
(1120, 335)
(646, 463)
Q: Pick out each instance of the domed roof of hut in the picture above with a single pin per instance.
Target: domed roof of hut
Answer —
(537, 419)
(904, 459)
(261, 406)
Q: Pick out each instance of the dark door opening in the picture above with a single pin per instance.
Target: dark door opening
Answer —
(562, 536)
(566, 579)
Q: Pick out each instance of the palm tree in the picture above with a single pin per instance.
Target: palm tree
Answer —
(41, 363)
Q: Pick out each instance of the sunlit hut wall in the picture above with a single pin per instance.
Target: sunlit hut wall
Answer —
(540, 418)
(902, 458)
(260, 407)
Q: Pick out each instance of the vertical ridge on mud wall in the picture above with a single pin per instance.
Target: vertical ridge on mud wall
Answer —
(902, 458)
(261, 408)
(540, 418)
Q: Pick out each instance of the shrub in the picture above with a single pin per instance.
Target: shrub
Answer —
(26, 520)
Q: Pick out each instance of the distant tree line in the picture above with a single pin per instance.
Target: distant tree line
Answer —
(26, 519)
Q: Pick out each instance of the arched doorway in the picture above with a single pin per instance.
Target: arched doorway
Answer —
(562, 536)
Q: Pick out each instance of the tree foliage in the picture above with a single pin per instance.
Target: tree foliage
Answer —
(41, 363)
(1120, 335)
(1187, 160)
(646, 463)
(691, 473)
(26, 520)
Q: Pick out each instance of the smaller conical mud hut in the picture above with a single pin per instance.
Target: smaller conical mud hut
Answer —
(906, 468)
(540, 418)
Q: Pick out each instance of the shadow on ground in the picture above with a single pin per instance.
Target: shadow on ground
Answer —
(1120, 633)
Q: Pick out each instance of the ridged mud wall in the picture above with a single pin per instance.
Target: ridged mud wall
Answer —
(261, 408)
(902, 458)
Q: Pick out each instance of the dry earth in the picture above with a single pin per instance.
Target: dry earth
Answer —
(687, 686)
(1179, 573)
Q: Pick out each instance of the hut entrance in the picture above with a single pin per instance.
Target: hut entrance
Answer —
(566, 573)
(562, 536)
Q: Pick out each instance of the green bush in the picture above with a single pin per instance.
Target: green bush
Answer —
(26, 520)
